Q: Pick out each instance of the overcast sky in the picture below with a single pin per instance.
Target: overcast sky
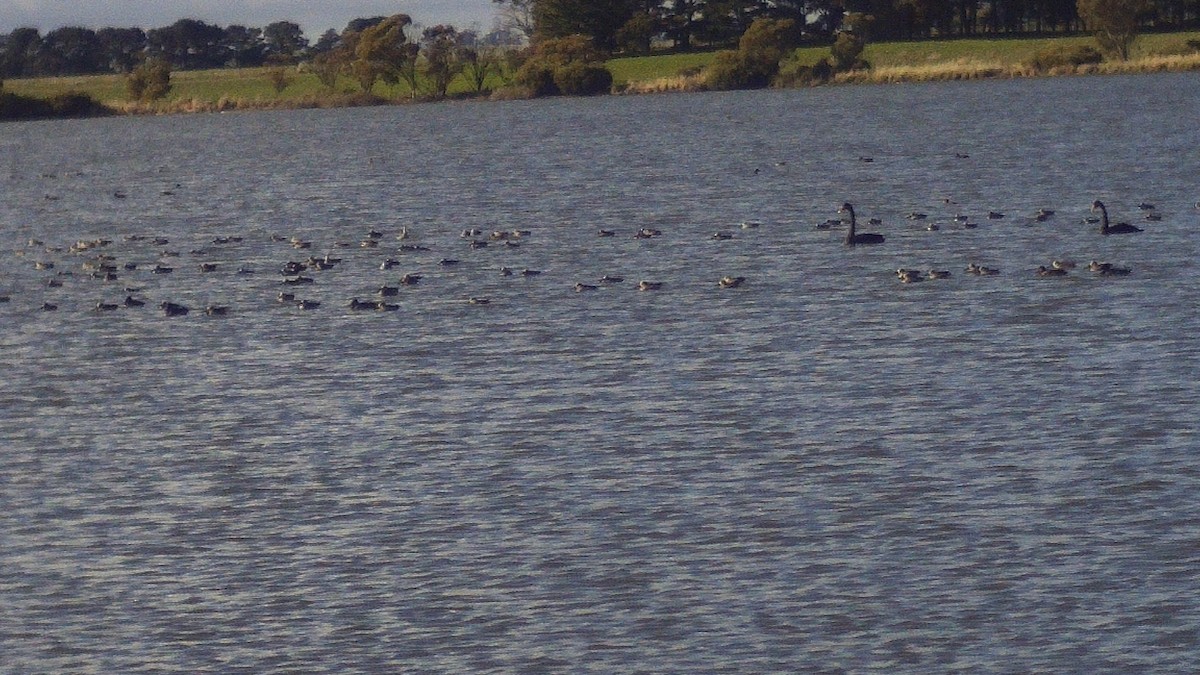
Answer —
(314, 16)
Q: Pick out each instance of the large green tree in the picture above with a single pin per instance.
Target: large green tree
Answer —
(382, 52)
(597, 19)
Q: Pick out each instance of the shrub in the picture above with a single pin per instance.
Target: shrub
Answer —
(150, 80)
(15, 107)
(279, 79)
(844, 54)
(737, 70)
(795, 75)
(580, 79)
(569, 65)
(537, 78)
(756, 62)
(1063, 57)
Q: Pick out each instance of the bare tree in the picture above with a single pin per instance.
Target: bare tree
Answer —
(1115, 23)
(517, 15)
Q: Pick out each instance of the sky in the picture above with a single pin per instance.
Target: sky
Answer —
(314, 16)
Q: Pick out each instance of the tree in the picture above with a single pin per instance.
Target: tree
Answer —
(189, 44)
(328, 41)
(71, 50)
(122, 47)
(637, 33)
(597, 19)
(478, 63)
(1115, 23)
(20, 52)
(244, 47)
(327, 66)
(284, 41)
(381, 51)
(517, 15)
(442, 62)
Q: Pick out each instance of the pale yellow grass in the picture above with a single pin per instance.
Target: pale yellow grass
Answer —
(694, 82)
(969, 69)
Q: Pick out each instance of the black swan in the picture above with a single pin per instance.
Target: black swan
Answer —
(1105, 228)
(853, 239)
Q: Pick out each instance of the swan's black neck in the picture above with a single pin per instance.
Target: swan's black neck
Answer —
(850, 232)
(1103, 218)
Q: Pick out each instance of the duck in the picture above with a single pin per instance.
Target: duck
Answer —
(49, 307)
(1063, 264)
(1108, 269)
(530, 273)
(649, 285)
(937, 274)
(388, 291)
(208, 267)
(731, 282)
(611, 279)
(106, 306)
(1043, 271)
(286, 297)
(1105, 228)
(410, 279)
(131, 301)
(994, 215)
(216, 310)
(606, 233)
(308, 304)
(856, 239)
(908, 276)
(363, 305)
(980, 270)
(174, 309)
(721, 235)
(475, 300)
(581, 287)
(750, 224)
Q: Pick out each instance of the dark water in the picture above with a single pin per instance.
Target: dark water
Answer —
(822, 470)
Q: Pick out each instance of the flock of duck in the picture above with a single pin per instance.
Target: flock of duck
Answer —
(94, 260)
(136, 263)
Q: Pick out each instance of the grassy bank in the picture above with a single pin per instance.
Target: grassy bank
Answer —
(926, 60)
(251, 88)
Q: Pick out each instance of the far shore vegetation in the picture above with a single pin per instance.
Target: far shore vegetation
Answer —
(387, 60)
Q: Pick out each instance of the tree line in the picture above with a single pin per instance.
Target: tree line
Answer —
(187, 44)
(633, 25)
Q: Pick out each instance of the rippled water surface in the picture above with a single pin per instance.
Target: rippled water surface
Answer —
(822, 470)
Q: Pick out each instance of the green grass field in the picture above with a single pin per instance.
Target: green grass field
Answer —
(251, 87)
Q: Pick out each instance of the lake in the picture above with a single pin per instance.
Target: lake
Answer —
(821, 470)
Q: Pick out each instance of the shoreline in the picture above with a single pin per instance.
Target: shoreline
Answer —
(956, 70)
